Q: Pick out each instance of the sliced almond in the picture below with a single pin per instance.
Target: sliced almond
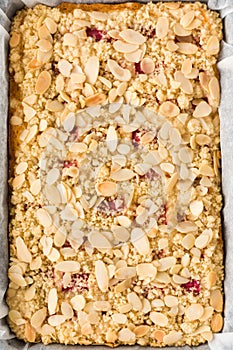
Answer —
(202, 139)
(44, 33)
(122, 175)
(141, 331)
(162, 27)
(146, 270)
(23, 254)
(102, 277)
(194, 24)
(46, 330)
(36, 263)
(211, 279)
(124, 221)
(185, 83)
(95, 100)
(52, 301)
(196, 208)
(125, 273)
(54, 106)
(119, 72)
(166, 263)
(64, 67)
(203, 109)
(134, 301)
(187, 48)
(179, 279)
(29, 333)
(158, 335)
(169, 109)
(121, 233)
(92, 69)
(111, 139)
(18, 181)
(188, 241)
(126, 336)
(194, 312)
(202, 241)
(159, 319)
(16, 317)
(132, 37)
(171, 46)
(98, 16)
(171, 300)
(34, 64)
(68, 266)
(212, 47)
(14, 40)
(214, 89)
(44, 45)
(147, 65)
(77, 78)
(124, 47)
(29, 112)
(44, 217)
(180, 31)
(43, 82)
(134, 56)
(14, 120)
(99, 241)
(78, 302)
(102, 305)
(17, 278)
(29, 293)
(70, 39)
(216, 300)
(140, 241)
(51, 25)
(172, 338)
(216, 323)
(106, 189)
(38, 318)
(67, 310)
(78, 147)
(56, 320)
(187, 18)
(186, 226)
(206, 170)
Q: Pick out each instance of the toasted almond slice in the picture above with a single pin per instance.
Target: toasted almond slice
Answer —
(51, 25)
(169, 109)
(29, 293)
(162, 27)
(211, 279)
(202, 241)
(193, 74)
(186, 226)
(214, 89)
(68, 266)
(194, 24)
(134, 56)
(67, 310)
(111, 139)
(77, 78)
(29, 112)
(14, 40)
(64, 67)
(78, 147)
(186, 66)
(92, 69)
(171, 46)
(35, 187)
(172, 5)
(171, 182)
(44, 33)
(125, 273)
(99, 241)
(135, 301)
(105, 81)
(140, 241)
(107, 188)
(34, 64)
(212, 47)
(54, 106)
(44, 45)
(102, 305)
(21, 168)
(141, 331)
(158, 335)
(29, 333)
(166, 263)
(188, 241)
(38, 318)
(44, 57)
(98, 16)
(132, 37)
(147, 65)
(202, 139)
(95, 100)
(101, 274)
(194, 312)
(43, 82)
(180, 31)
(159, 319)
(216, 300)
(185, 84)
(46, 330)
(146, 270)
(70, 40)
(14, 120)
(122, 175)
(118, 72)
(216, 323)
(44, 217)
(196, 207)
(52, 301)
(17, 278)
(124, 221)
(171, 300)
(187, 18)
(78, 302)
(15, 317)
(203, 109)
(187, 48)
(18, 181)
(124, 47)
(23, 254)
(206, 170)
(172, 338)
(36, 263)
(179, 279)
(126, 336)
(56, 320)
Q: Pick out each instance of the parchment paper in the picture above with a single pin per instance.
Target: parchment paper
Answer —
(222, 341)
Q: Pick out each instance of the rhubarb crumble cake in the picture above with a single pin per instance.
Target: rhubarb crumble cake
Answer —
(115, 200)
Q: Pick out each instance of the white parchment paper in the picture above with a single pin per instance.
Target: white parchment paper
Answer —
(222, 341)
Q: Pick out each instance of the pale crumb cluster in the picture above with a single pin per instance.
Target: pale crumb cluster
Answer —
(115, 229)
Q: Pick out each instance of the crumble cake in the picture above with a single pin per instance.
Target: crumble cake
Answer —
(115, 229)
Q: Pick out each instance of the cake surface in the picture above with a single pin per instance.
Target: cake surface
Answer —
(115, 227)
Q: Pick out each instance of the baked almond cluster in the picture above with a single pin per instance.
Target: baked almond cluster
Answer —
(115, 229)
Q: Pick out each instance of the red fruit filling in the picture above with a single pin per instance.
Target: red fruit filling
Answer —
(79, 283)
(98, 34)
(109, 206)
(193, 286)
(70, 163)
(137, 68)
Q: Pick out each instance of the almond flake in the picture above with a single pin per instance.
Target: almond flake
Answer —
(211, 279)
(30, 333)
(179, 279)
(68, 266)
(146, 270)
(44, 217)
(64, 67)
(105, 81)
(34, 64)
(14, 40)
(36, 263)
(126, 336)
(172, 338)
(29, 293)
(21, 168)
(135, 301)
(119, 318)
(38, 318)
(46, 330)
(30, 100)
(98, 16)
(216, 323)
(121, 233)
(133, 37)
(125, 273)
(194, 24)
(15, 317)
(202, 241)
(44, 33)
(123, 47)
(92, 69)
(102, 305)
(23, 254)
(186, 226)
(28, 111)
(216, 300)
(214, 89)
(43, 82)
(44, 45)
(56, 320)
(172, 5)
(169, 109)
(14, 120)
(166, 263)
(134, 56)
(187, 48)
(51, 25)
(171, 46)
(159, 319)
(17, 278)
(206, 170)
(147, 65)
(180, 31)
(122, 175)
(140, 241)
(118, 72)
(202, 139)
(185, 84)
(54, 106)
(124, 221)
(212, 47)
(101, 274)
(111, 139)
(171, 301)
(187, 19)
(95, 100)
(67, 310)
(196, 208)
(99, 241)
(52, 301)
(70, 40)
(78, 78)
(158, 335)
(194, 312)
(188, 241)
(141, 331)
(78, 302)
(203, 109)
(44, 57)
(162, 27)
